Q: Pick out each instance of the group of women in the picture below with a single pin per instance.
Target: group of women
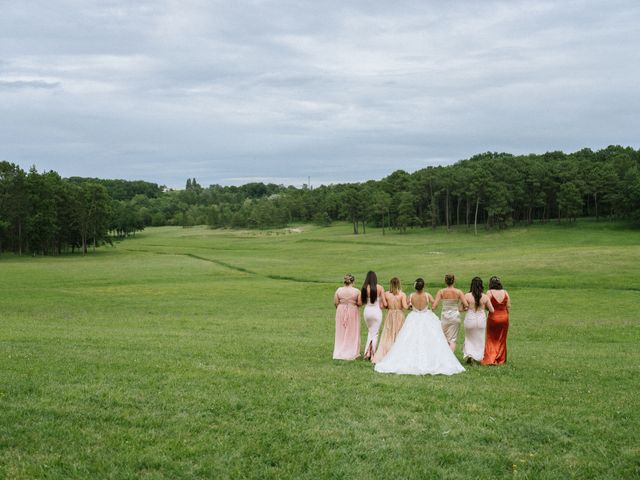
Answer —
(422, 343)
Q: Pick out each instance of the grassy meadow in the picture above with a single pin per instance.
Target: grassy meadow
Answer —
(197, 353)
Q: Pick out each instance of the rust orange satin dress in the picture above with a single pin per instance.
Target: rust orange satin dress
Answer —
(495, 346)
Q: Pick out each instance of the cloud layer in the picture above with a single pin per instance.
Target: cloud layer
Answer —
(229, 92)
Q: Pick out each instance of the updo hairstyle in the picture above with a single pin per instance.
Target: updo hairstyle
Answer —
(495, 283)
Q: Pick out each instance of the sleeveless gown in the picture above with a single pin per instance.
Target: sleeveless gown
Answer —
(392, 325)
(495, 347)
(373, 317)
(450, 319)
(475, 324)
(347, 341)
(420, 348)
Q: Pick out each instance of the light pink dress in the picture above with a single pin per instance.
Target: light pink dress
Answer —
(347, 345)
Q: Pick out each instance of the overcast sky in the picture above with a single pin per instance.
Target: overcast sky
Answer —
(237, 91)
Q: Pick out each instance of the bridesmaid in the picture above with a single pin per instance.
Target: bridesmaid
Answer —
(451, 298)
(475, 322)
(347, 301)
(495, 347)
(372, 297)
(396, 303)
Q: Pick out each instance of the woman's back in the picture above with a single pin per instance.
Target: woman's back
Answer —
(395, 300)
(450, 293)
(347, 295)
(420, 301)
(379, 296)
(472, 302)
(499, 299)
(450, 298)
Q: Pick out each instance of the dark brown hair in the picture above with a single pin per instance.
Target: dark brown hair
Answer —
(476, 289)
(495, 283)
(372, 282)
(419, 284)
(449, 279)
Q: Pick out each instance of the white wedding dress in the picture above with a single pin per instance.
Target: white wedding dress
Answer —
(420, 348)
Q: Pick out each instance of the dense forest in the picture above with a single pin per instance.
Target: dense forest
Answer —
(42, 213)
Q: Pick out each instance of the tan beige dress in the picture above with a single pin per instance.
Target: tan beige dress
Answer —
(450, 319)
(392, 325)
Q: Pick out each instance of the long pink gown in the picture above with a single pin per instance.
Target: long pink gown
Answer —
(347, 344)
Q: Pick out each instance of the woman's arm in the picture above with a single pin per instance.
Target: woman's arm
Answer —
(382, 295)
(508, 301)
(336, 300)
(461, 307)
(437, 300)
(404, 304)
(487, 303)
(359, 301)
(463, 299)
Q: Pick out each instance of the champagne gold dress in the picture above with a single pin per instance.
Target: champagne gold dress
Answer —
(450, 319)
(392, 325)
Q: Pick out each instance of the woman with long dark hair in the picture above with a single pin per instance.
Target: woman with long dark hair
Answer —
(372, 297)
(347, 300)
(495, 346)
(475, 322)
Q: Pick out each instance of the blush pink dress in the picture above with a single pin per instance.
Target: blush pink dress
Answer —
(347, 344)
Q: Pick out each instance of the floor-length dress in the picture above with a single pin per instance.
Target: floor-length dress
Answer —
(475, 325)
(373, 318)
(392, 325)
(347, 344)
(420, 348)
(450, 319)
(495, 346)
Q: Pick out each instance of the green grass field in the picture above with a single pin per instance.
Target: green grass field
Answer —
(195, 353)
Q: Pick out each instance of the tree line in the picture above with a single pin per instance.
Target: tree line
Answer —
(490, 190)
(43, 213)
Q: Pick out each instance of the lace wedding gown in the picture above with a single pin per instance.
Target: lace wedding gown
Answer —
(420, 348)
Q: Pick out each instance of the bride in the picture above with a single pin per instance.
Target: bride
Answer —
(421, 347)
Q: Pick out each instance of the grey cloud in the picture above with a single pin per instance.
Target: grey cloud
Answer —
(27, 84)
(341, 91)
